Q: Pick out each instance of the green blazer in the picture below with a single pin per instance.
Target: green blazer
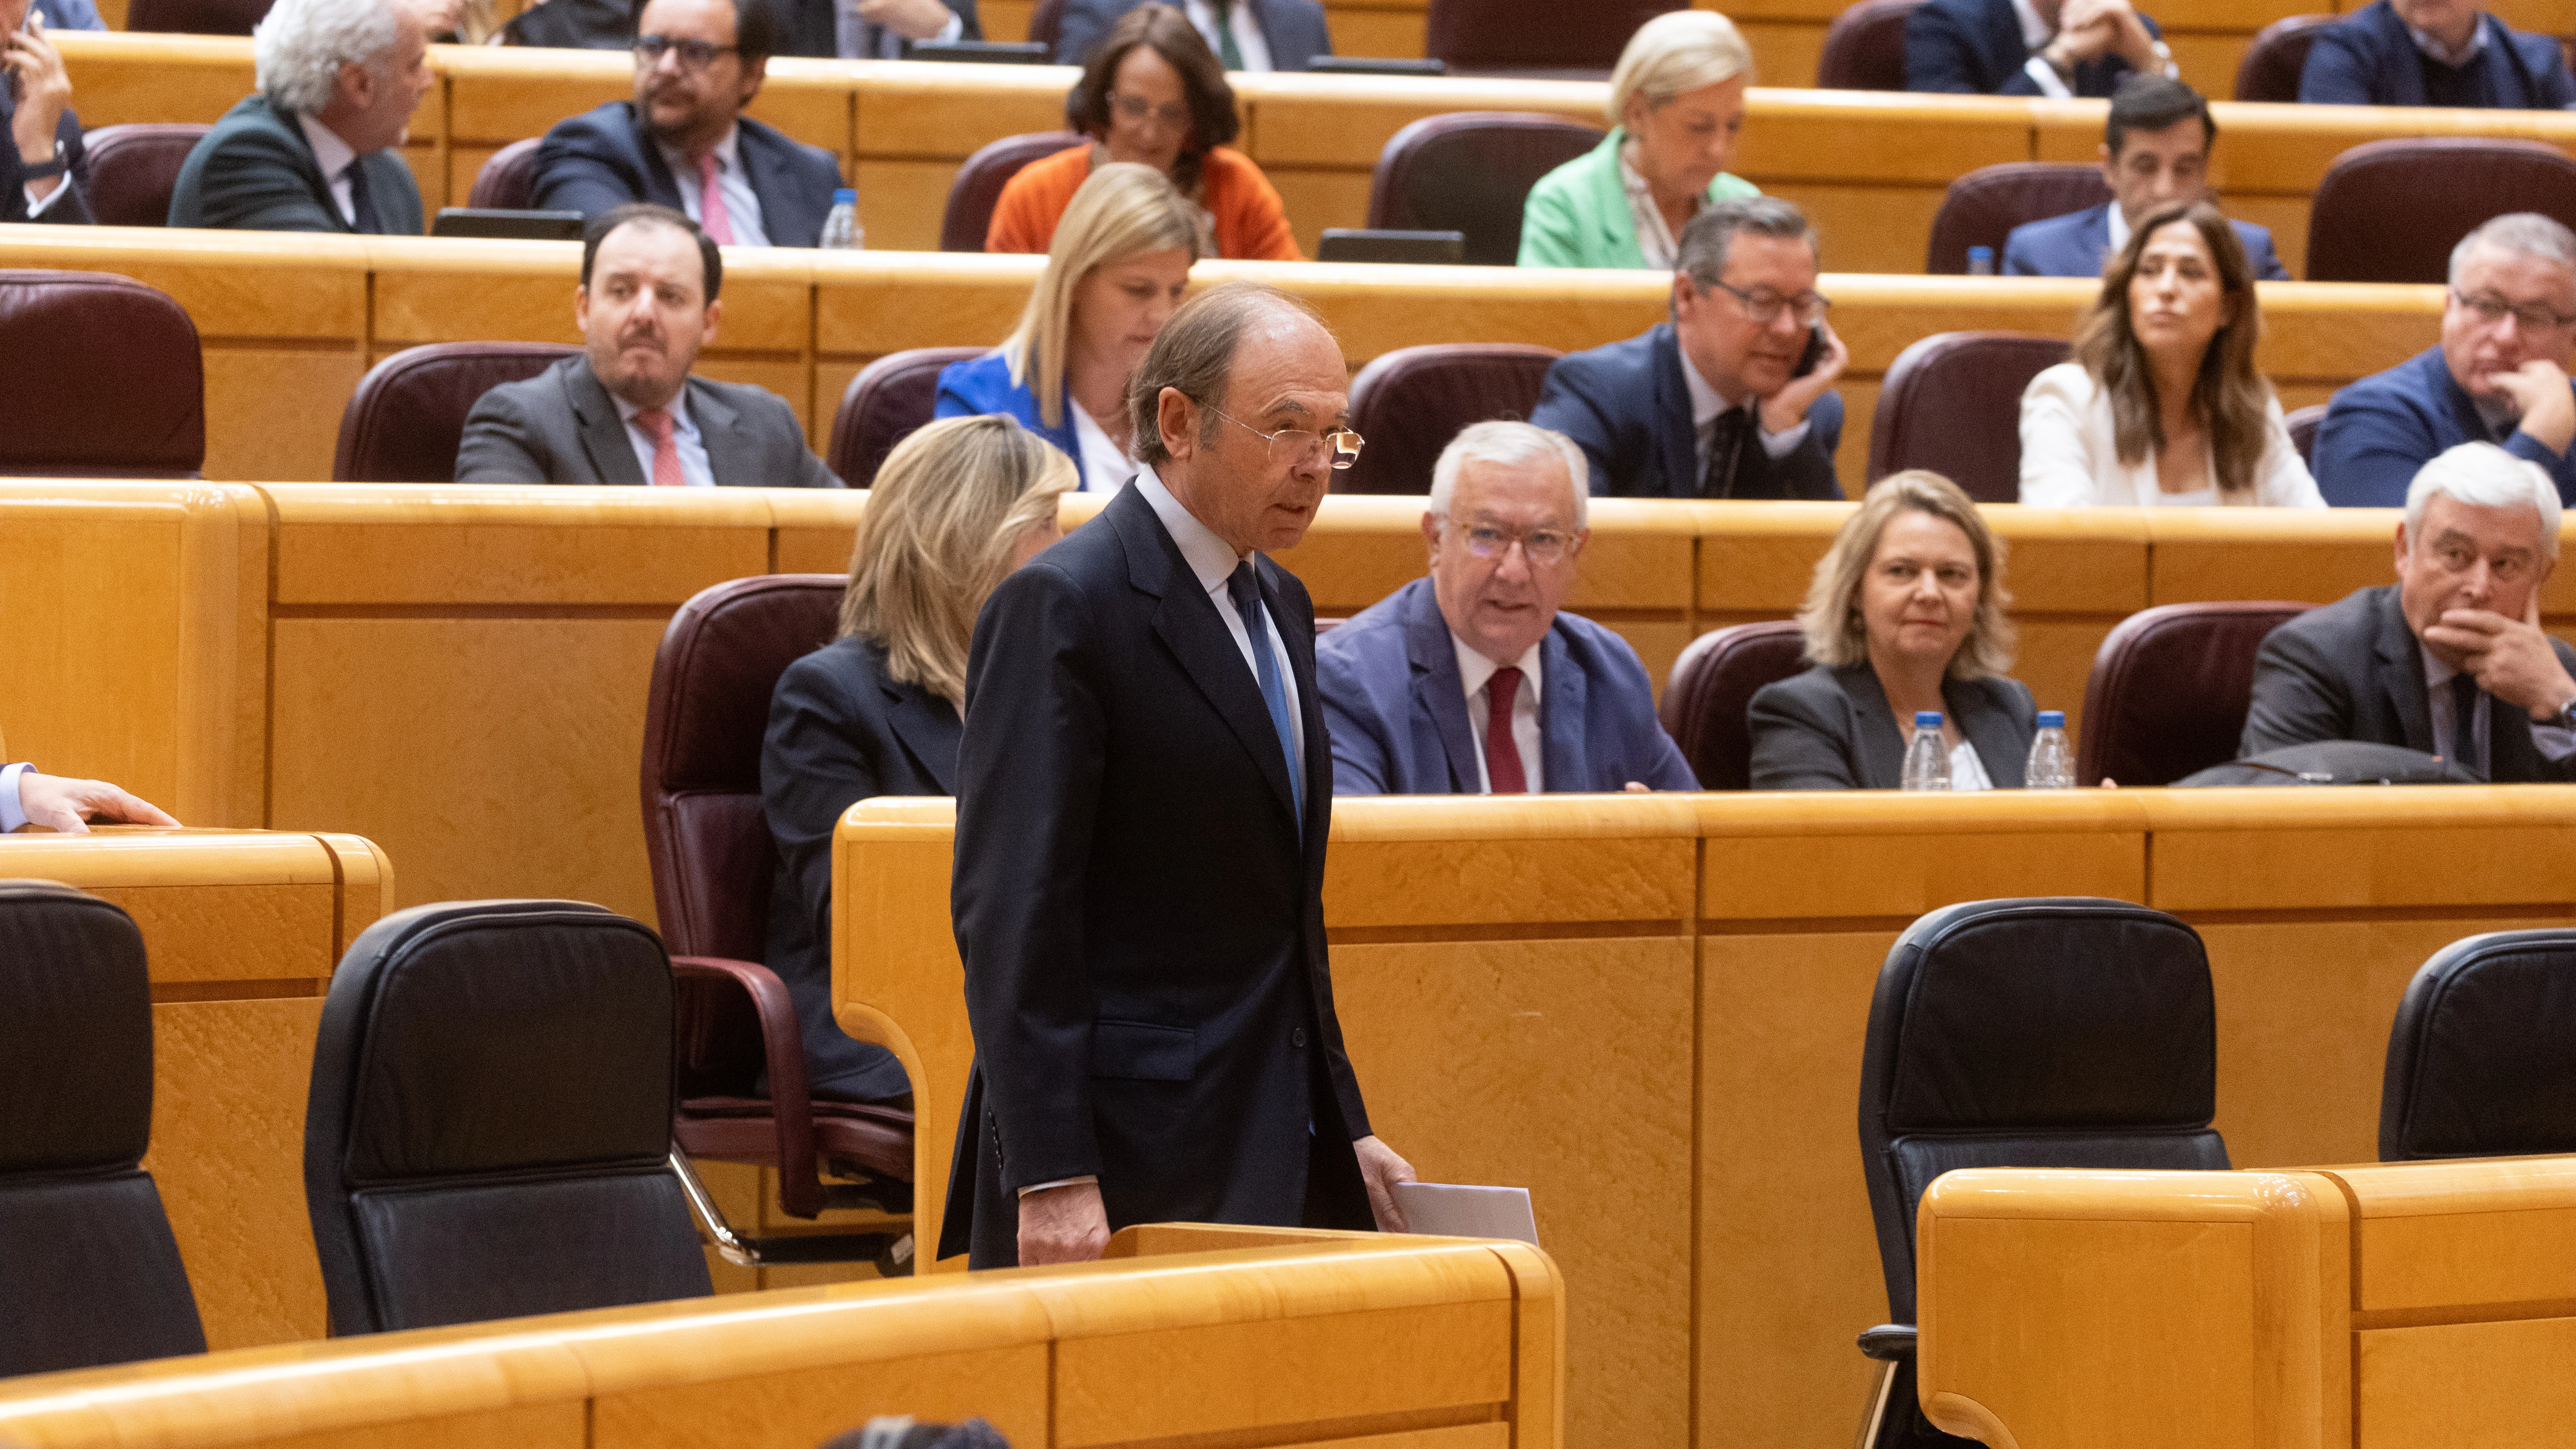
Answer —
(1577, 215)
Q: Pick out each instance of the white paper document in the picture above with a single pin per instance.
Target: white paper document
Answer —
(1455, 1210)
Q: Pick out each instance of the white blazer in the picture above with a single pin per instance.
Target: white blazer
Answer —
(2070, 453)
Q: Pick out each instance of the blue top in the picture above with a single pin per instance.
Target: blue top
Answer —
(2077, 244)
(983, 385)
(2370, 59)
(2380, 430)
(70, 15)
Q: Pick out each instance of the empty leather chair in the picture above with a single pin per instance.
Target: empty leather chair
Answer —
(978, 187)
(104, 379)
(1471, 172)
(407, 417)
(1711, 686)
(1417, 398)
(888, 401)
(133, 169)
(89, 1273)
(2303, 424)
(2271, 67)
(1865, 47)
(2169, 690)
(489, 1129)
(1982, 208)
(1538, 38)
(197, 17)
(508, 180)
(2390, 211)
(2482, 1057)
(1952, 403)
(2041, 1032)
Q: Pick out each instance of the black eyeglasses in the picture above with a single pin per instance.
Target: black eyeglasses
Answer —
(693, 54)
(1137, 108)
(2530, 316)
(1763, 306)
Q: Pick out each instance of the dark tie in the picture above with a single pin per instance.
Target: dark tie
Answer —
(1725, 452)
(1502, 755)
(1246, 592)
(1228, 54)
(2464, 725)
(362, 202)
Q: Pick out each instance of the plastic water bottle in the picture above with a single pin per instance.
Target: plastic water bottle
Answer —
(1927, 755)
(1981, 261)
(2052, 759)
(841, 229)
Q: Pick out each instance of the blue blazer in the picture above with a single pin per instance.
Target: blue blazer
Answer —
(2077, 244)
(983, 385)
(1397, 709)
(2380, 430)
(1294, 29)
(1974, 47)
(1627, 407)
(2371, 60)
(602, 159)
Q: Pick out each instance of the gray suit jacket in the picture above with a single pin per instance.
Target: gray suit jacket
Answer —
(1830, 729)
(255, 172)
(561, 427)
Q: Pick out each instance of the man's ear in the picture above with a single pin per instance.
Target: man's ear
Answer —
(1176, 418)
(356, 84)
(2401, 543)
(581, 305)
(1431, 534)
(715, 314)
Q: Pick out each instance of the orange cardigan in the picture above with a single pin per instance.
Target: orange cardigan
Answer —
(1250, 223)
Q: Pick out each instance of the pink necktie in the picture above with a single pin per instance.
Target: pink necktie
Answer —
(712, 217)
(666, 453)
(1502, 753)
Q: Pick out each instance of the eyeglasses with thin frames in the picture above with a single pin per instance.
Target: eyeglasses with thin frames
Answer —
(1762, 306)
(2530, 317)
(1541, 546)
(1137, 108)
(1294, 447)
(693, 54)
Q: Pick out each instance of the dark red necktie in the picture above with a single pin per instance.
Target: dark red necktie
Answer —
(1502, 757)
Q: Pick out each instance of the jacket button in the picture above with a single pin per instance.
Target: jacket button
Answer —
(1298, 1037)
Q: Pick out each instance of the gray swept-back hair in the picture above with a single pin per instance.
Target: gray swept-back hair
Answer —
(2519, 233)
(1508, 443)
(2483, 475)
(300, 47)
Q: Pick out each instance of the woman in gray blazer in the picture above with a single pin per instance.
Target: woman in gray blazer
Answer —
(1906, 613)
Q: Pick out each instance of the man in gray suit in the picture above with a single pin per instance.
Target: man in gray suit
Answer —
(626, 410)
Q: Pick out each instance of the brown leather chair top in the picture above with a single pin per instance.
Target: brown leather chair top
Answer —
(1046, 27)
(1410, 402)
(2390, 211)
(508, 181)
(103, 376)
(2169, 690)
(2271, 67)
(1471, 171)
(1865, 48)
(1982, 207)
(889, 400)
(2303, 425)
(978, 187)
(134, 168)
(1713, 684)
(1534, 36)
(1952, 403)
(408, 415)
(197, 17)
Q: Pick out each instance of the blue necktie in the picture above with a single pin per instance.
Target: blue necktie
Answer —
(1265, 664)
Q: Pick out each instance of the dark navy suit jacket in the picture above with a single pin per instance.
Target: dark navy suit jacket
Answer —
(983, 385)
(2076, 244)
(1294, 29)
(1398, 708)
(1974, 47)
(603, 159)
(1627, 407)
(2380, 430)
(255, 172)
(66, 210)
(2371, 60)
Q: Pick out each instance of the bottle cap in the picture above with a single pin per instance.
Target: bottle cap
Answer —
(2052, 719)
(1986, 252)
(1927, 719)
(845, 194)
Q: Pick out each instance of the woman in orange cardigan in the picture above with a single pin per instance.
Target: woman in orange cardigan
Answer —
(1152, 93)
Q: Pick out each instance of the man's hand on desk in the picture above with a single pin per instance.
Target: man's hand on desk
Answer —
(1381, 1169)
(1064, 1224)
(60, 804)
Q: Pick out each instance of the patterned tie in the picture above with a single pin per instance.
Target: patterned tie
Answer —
(666, 449)
(1725, 450)
(362, 202)
(713, 219)
(1228, 54)
(1502, 754)
(2464, 725)
(1246, 592)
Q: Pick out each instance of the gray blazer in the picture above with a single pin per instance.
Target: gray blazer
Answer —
(255, 172)
(561, 427)
(1830, 729)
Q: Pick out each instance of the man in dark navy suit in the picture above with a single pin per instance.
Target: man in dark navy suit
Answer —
(2434, 53)
(40, 138)
(1245, 34)
(2155, 151)
(2030, 47)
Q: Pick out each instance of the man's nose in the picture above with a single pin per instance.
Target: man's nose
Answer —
(1513, 562)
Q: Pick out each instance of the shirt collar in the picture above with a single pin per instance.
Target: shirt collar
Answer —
(2437, 675)
(677, 407)
(1474, 668)
(1210, 557)
(2035, 32)
(1706, 401)
(726, 152)
(2468, 51)
(329, 152)
(2119, 228)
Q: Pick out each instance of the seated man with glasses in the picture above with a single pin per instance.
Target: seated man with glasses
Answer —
(1729, 399)
(1472, 681)
(684, 143)
(2499, 375)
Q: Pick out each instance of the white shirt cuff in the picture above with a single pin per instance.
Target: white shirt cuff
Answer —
(1059, 1182)
(955, 27)
(1782, 444)
(2049, 82)
(37, 207)
(11, 815)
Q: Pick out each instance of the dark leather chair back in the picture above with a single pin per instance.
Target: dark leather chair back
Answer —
(408, 415)
(197, 17)
(1865, 47)
(1952, 403)
(1471, 172)
(1534, 34)
(104, 379)
(1417, 398)
(1046, 27)
(1982, 208)
(888, 401)
(2482, 1058)
(88, 1268)
(508, 181)
(978, 187)
(1711, 686)
(2390, 211)
(2303, 424)
(2169, 690)
(489, 1130)
(2271, 67)
(134, 168)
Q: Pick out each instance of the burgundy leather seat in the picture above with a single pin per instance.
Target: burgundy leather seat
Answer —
(1471, 171)
(1952, 403)
(978, 187)
(1983, 207)
(134, 168)
(408, 415)
(2390, 211)
(104, 379)
(887, 402)
(508, 180)
(2271, 67)
(197, 17)
(2303, 424)
(2170, 688)
(1410, 402)
(1538, 38)
(1711, 686)
(1865, 48)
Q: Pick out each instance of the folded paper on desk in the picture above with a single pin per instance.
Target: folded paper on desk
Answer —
(1454, 1210)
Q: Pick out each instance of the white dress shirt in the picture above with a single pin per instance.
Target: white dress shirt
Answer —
(1476, 671)
(2468, 51)
(1654, 236)
(12, 815)
(2070, 454)
(1707, 403)
(1105, 465)
(1968, 770)
(1248, 39)
(742, 205)
(685, 437)
(2035, 36)
(334, 157)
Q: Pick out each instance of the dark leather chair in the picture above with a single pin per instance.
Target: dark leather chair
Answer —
(2303, 424)
(104, 379)
(489, 1131)
(88, 1269)
(1536, 38)
(1865, 47)
(2271, 67)
(1712, 684)
(978, 187)
(1982, 208)
(2482, 1057)
(2390, 211)
(134, 168)
(887, 402)
(508, 180)
(1952, 403)
(2043, 1032)
(1471, 172)
(197, 17)
(1410, 402)
(1046, 27)
(408, 415)
(2169, 690)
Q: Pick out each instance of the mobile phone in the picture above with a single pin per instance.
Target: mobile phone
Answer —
(1815, 353)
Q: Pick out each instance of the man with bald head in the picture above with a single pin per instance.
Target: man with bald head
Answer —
(1143, 796)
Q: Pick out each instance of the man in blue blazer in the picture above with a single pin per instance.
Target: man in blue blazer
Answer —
(2434, 53)
(2155, 151)
(2055, 48)
(1473, 681)
(1266, 34)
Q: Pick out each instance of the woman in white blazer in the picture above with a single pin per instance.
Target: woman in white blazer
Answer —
(2161, 404)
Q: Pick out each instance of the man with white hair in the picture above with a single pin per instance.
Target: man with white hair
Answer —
(2498, 376)
(315, 149)
(2450, 659)
(1474, 681)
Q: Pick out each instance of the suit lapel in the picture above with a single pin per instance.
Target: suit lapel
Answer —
(1676, 438)
(659, 187)
(603, 433)
(308, 167)
(1297, 632)
(1879, 749)
(1998, 744)
(2401, 674)
(1438, 690)
(730, 458)
(784, 218)
(1562, 701)
(931, 733)
(2096, 235)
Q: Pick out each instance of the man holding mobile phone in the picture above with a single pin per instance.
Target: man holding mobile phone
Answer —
(36, 181)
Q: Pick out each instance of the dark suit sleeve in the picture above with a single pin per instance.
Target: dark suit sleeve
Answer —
(254, 181)
(2369, 449)
(1359, 753)
(1568, 405)
(581, 169)
(1085, 22)
(2300, 695)
(500, 446)
(819, 758)
(2338, 69)
(1798, 739)
(1940, 55)
(2557, 87)
(2017, 258)
(971, 26)
(2267, 263)
(1808, 470)
(817, 474)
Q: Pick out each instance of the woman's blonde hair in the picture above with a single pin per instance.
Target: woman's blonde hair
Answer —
(1831, 616)
(1674, 53)
(947, 509)
(1124, 210)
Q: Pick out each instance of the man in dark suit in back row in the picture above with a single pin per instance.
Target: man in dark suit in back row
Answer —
(2155, 151)
(40, 138)
(1254, 35)
(2057, 48)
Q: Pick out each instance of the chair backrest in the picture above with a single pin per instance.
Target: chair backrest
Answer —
(888, 401)
(2271, 67)
(1471, 171)
(489, 1129)
(1046, 27)
(1711, 686)
(88, 1267)
(1541, 33)
(2303, 424)
(508, 180)
(2482, 1057)
(2390, 211)
(197, 17)
(978, 187)
(1982, 208)
(133, 169)
(1952, 403)
(405, 420)
(1417, 398)
(104, 379)
(1865, 47)
(2169, 690)
(2042, 1032)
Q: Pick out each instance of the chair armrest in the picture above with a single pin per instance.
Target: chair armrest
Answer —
(782, 1041)
(1889, 1343)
